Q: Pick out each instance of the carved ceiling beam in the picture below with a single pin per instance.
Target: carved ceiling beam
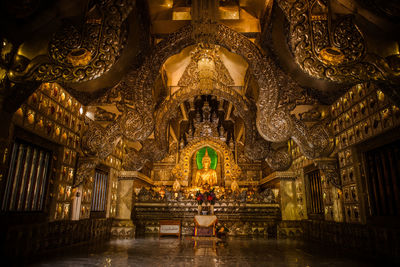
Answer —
(77, 54)
(246, 82)
(330, 49)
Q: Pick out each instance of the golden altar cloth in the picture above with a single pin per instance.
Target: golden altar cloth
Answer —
(205, 220)
(205, 225)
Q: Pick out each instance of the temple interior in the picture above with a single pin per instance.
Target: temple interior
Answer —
(200, 132)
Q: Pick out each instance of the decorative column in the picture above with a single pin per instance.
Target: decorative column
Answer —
(287, 191)
(123, 227)
(331, 188)
(285, 182)
(125, 197)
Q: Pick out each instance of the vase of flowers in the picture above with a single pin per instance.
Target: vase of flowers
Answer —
(207, 198)
(200, 200)
(210, 198)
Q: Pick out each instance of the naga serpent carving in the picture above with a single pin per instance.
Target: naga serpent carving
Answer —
(274, 123)
(135, 160)
(82, 55)
(330, 50)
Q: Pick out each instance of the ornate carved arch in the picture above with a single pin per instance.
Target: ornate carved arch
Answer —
(182, 170)
(273, 122)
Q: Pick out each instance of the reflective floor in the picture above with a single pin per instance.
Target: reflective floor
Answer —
(205, 252)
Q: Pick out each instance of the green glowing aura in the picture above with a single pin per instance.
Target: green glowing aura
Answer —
(211, 153)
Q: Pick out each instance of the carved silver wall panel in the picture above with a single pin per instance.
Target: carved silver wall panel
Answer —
(135, 160)
(100, 142)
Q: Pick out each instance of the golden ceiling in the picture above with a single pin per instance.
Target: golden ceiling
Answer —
(244, 16)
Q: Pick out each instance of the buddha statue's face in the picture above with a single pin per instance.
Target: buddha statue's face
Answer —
(206, 164)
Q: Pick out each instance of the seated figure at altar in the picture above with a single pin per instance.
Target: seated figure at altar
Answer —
(205, 176)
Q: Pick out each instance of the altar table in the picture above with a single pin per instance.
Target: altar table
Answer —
(205, 225)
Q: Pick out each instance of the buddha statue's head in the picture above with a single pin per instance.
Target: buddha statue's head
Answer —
(206, 161)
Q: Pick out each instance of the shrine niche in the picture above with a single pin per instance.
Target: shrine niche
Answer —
(225, 165)
(206, 163)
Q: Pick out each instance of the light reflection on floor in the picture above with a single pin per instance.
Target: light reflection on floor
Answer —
(188, 252)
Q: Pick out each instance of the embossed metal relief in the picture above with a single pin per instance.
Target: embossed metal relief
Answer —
(205, 58)
(329, 169)
(84, 54)
(279, 160)
(104, 115)
(100, 142)
(330, 49)
(135, 160)
(317, 141)
(257, 149)
(291, 94)
(85, 169)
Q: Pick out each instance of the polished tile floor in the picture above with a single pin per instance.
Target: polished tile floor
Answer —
(188, 252)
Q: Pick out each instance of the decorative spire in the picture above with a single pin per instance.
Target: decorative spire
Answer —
(206, 156)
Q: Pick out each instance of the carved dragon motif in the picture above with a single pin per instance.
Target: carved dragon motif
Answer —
(328, 49)
(135, 160)
(82, 55)
(280, 159)
(274, 123)
(329, 168)
(85, 169)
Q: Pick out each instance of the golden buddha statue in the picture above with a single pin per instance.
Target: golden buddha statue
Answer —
(176, 186)
(235, 186)
(206, 176)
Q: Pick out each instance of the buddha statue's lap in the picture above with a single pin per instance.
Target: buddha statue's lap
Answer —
(206, 177)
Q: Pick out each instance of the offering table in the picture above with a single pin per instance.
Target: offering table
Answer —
(205, 225)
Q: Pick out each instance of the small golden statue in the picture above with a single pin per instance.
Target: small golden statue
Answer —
(206, 176)
(235, 186)
(176, 186)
